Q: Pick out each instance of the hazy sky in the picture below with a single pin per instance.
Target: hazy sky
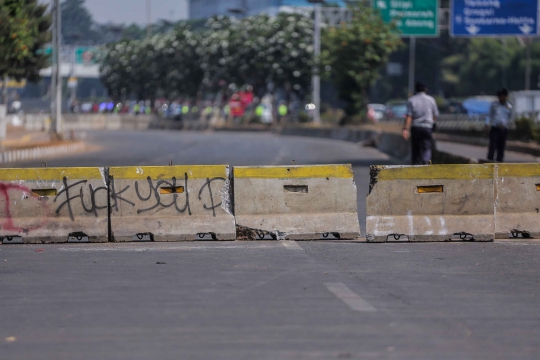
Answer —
(128, 11)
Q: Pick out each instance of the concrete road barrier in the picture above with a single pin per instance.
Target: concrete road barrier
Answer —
(171, 203)
(517, 212)
(431, 203)
(295, 202)
(53, 205)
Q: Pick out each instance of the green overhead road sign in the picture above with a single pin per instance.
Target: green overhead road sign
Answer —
(413, 17)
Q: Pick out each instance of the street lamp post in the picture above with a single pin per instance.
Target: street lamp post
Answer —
(412, 64)
(316, 79)
(56, 76)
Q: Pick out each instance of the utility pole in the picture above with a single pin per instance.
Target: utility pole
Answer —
(505, 65)
(528, 65)
(412, 64)
(149, 18)
(316, 73)
(56, 76)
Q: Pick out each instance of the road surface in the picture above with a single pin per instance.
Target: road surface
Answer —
(269, 299)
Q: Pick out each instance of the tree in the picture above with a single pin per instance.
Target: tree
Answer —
(355, 53)
(253, 51)
(39, 24)
(258, 50)
(77, 23)
(286, 55)
(15, 36)
(166, 65)
(484, 65)
(179, 69)
(24, 30)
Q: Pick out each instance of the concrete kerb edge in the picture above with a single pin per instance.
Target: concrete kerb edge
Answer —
(10, 156)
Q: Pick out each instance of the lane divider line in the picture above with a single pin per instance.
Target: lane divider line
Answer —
(349, 297)
(291, 245)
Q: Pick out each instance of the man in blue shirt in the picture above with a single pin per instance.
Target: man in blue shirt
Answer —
(500, 115)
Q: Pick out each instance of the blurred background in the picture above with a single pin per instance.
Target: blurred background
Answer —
(243, 62)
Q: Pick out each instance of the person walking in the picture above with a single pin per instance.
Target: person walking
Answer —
(422, 113)
(499, 118)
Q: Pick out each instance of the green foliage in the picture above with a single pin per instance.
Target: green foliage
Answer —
(303, 117)
(15, 37)
(255, 50)
(355, 53)
(526, 130)
(77, 23)
(441, 102)
(477, 68)
(24, 30)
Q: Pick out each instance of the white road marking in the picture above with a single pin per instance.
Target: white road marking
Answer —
(349, 297)
(291, 245)
(162, 248)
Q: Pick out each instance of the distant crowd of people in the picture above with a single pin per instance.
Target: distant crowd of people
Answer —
(235, 108)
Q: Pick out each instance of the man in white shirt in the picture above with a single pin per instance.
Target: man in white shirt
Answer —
(422, 112)
(500, 115)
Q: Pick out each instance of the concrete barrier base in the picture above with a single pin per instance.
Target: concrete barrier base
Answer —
(297, 227)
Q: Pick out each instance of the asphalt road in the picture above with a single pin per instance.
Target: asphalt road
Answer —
(264, 300)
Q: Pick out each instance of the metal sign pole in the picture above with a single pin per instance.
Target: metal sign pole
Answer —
(56, 77)
(528, 65)
(412, 64)
(316, 75)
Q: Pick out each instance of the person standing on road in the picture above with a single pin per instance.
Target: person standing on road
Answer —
(499, 118)
(422, 113)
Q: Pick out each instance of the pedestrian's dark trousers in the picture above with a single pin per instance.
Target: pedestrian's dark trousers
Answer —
(497, 141)
(421, 139)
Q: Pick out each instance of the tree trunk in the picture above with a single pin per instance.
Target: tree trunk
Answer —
(4, 90)
(365, 98)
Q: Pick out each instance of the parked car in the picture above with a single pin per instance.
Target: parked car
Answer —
(396, 109)
(376, 112)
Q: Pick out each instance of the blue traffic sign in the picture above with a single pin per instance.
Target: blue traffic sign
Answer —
(494, 18)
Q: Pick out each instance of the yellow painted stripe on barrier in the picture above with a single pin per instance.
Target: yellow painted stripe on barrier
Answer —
(50, 174)
(294, 172)
(448, 172)
(519, 170)
(168, 172)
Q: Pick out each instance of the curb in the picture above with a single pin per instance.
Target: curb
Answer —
(10, 156)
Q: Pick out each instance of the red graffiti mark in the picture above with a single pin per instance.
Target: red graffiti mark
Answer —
(8, 224)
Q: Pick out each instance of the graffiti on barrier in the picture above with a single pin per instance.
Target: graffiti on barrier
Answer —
(69, 193)
(149, 193)
(7, 223)
(82, 197)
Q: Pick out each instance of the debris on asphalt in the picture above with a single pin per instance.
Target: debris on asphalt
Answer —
(40, 250)
(160, 263)
(11, 339)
